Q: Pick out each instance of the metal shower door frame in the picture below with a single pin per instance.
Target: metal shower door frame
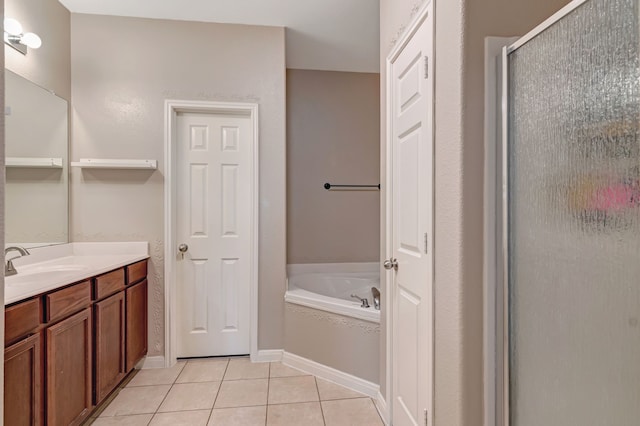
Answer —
(502, 285)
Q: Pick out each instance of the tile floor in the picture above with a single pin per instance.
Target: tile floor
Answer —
(230, 392)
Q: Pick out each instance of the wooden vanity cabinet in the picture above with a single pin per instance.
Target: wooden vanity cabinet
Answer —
(67, 349)
(69, 369)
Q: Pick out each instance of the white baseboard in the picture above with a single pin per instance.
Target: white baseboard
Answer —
(381, 405)
(153, 362)
(336, 376)
(268, 355)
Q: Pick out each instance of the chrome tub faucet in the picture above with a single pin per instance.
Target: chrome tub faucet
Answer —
(365, 302)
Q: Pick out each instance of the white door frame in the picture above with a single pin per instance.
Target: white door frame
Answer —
(388, 286)
(171, 109)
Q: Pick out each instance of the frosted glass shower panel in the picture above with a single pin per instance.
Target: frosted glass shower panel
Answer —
(574, 220)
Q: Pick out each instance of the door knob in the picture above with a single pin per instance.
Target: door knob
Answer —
(182, 248)
(391, 264)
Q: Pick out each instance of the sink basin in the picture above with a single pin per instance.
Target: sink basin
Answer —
(32, 275)
(51, 268)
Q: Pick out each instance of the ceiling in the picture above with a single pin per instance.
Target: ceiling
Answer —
(339, 35)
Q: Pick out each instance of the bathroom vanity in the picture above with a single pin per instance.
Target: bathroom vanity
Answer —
(75, 326)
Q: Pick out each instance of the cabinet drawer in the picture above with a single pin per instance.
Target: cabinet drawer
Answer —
(136, 272)
(109, 283)
(67, 301)
(22, 319)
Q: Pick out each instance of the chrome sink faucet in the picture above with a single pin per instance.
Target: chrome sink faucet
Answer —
(9, 269)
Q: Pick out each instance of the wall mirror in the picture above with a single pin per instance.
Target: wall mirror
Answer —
(37, 175)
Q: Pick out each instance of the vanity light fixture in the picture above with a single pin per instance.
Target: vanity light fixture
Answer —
(14, 37)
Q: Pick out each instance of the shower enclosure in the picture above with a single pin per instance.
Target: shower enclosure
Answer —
(571, 216)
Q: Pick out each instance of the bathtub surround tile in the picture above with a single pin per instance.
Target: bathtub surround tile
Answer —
(284, 390)
(190, 396)
(278, 369)
(243, 368)
(306, 413)
(137, 400)
(329, 391)
(347, 412)
(157, 376)
(243, 416)
(137, 420)
(242, 393)
(182, 418)
(203, 371)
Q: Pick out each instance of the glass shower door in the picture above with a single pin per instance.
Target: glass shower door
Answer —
(573, 205)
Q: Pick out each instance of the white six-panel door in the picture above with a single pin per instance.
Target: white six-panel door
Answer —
(412, 224)
(214, 163)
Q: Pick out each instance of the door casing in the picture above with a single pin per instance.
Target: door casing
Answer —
(172, 108)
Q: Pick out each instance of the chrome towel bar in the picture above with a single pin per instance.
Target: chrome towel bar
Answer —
(329, 186)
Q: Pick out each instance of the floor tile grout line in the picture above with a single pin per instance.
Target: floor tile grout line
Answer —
(168, 392)
(173, 411)
(266, 411)
(324, 421)
(211, 411)
(219, 389)
(163, 400)
(239, 406)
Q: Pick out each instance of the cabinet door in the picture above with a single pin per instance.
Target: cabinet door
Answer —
(69, 368)
(109, 345)
(136, 323)
(23, 383)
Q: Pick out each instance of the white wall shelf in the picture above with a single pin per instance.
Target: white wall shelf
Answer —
(102, 163)
(34, 162)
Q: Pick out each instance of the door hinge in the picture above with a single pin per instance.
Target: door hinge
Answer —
(426, 67)
(426, 243)
(426, 417)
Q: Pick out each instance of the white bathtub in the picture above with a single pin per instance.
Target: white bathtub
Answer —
(329, 287)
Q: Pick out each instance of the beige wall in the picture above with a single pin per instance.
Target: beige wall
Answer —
(333, 129)
(459, 69)
(123, 70)
(48, 66)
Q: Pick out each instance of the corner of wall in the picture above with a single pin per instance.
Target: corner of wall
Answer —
(2, 180)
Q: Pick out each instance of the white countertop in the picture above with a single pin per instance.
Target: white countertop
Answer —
(48, 268)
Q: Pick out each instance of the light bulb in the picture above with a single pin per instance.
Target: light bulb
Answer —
(12, 26)
(31, 40)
